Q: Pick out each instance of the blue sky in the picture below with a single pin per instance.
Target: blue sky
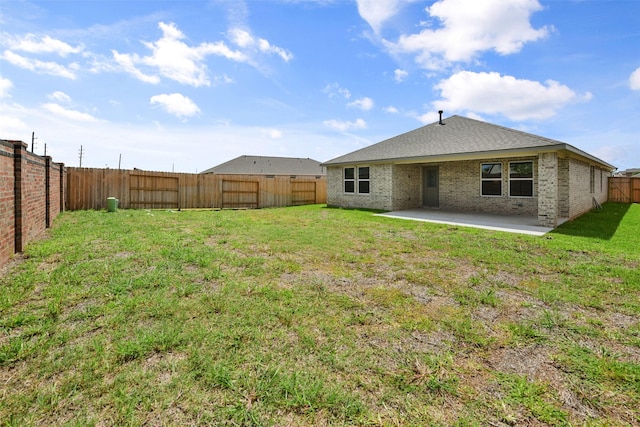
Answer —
(187, 85)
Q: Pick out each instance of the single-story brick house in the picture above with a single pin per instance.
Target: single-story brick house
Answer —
(469, 165)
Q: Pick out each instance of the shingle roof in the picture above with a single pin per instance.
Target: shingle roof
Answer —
(457, 136)
(261, 165)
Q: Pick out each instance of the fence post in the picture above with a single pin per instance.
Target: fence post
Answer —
(19, 150)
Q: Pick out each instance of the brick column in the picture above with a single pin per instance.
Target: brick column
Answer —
(19, 161)
(63, 187)
(47, 191)
(548, 189)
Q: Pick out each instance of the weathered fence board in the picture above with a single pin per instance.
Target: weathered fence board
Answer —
(624, 189)
(89, 189)
(154, 192)
(240, 194)
(303, 192)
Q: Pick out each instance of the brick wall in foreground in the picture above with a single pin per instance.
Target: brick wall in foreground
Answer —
(31, 196)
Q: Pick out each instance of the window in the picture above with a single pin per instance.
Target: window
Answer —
(349, 180)
(491, 179)
(601, 180)
(521, 179)
(592, 179)
(361, 182)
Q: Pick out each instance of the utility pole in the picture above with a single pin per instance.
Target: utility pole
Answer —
(81, 153)
(33, 141)
(119, 161)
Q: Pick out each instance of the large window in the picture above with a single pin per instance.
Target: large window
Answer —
(491, 179)
(363, 180)
(357, 178)
(521, 179)
(349, 180)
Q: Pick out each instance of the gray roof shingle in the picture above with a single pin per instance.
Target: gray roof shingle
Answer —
(263, 165)
(457, 136)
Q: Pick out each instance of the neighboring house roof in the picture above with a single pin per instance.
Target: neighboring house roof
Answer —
(457, 138)
(629, 172)
(261, 165)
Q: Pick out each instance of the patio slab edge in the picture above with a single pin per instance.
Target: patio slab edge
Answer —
(529, 230)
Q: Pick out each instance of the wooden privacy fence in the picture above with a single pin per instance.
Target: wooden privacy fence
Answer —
(624, 189)
(89, 189)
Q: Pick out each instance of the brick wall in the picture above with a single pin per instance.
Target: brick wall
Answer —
(460, 189)
(395, 187)
(31, 192)
(380, 190)
(548, 193)
(57, 181)
(407, 187)
(33, 197)
(7, 206)
(561, 188)
(581, 197)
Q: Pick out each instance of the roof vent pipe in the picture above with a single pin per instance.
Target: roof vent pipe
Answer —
(440, 112)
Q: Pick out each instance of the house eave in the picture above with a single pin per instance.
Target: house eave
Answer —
(565, 149)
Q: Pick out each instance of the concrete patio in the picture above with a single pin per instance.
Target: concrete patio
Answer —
(511, 224)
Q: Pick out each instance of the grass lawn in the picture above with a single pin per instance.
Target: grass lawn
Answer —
(314, 316)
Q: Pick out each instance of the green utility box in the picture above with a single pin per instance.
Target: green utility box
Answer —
(112, 204)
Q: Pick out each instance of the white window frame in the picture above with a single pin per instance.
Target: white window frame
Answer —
(367, 180)
(345, 180)
(356, 180)
(523, 179)
(483, 179)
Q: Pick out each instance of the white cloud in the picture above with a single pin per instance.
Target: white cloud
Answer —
(182, 63)
(51, 68)
(492, 93)
(376, 12)
(272, 133)
(391, 110)
(400, 75)
(468, 28)
(634, 80)
(426, 118)
(60, 111)
(176, 104)
(222, 79)
(344, 126)
(174, 59)
(59, 97)
(333, 89)
(5, 85)
(46, 44)
(245, 40)
(127, 64)
(364, 104)
(10, 126)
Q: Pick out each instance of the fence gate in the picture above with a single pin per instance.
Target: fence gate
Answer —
(624, 190)
(240, 195)
(154, 192)
(303, 193)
